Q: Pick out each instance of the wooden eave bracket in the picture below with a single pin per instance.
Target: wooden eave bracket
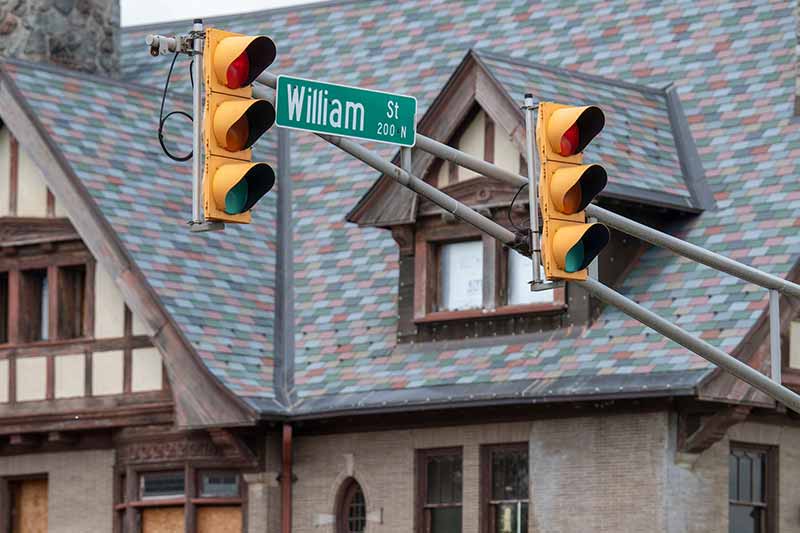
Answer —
(232, 447)
(713, 428)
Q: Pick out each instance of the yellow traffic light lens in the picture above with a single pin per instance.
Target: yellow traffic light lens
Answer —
(236, 138)
(239, 123)
(572, 200)
(572, 188)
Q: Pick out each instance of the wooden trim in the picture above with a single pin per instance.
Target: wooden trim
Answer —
(201, 399)
(13, 176)
(53, 293)
(14, 306)
(5, 505)
(51, 203)
(72, 346)
(157, 502)
(713, 428)
(509, 310)
(217, 501)
(127, 353)
(488, 138)
(189, 489)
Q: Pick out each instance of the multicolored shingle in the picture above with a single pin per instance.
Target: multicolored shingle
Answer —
(732, 63)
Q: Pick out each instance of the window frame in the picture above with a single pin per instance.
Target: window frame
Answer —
(422, 458)
(343, 500)
(486, 478)
(771, 485)
(14, 266)
(432, 234)
(129, 502)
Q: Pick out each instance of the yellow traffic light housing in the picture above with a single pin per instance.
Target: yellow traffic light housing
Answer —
(234, 120)
(566, 187)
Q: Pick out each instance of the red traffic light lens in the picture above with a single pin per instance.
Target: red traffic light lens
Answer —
(570, 141)
(238, 71)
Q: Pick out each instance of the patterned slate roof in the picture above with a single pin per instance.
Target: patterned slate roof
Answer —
(223, 302)
(636, 146)
(721, 56)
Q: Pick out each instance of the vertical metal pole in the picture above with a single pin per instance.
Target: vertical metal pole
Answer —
(405, 159)
(533, 200)
(775, 335)
(197, 123)
(594, 266)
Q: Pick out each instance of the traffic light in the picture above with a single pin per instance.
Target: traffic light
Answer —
(566, 187)
(234, 120)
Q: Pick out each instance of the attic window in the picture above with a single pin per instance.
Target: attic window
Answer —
(520, 272)
(794, 344)
(34, 305)
(461, 275)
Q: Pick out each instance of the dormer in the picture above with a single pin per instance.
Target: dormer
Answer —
(456, 282)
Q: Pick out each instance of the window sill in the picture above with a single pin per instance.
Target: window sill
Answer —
(508, 310)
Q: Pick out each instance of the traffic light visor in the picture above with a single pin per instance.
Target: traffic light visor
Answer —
(239, 60)
(239, 123)
(573, 188)
(571, 129)
(575, 246)
(239, 186)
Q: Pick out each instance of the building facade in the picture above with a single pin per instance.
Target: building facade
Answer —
(366, 362)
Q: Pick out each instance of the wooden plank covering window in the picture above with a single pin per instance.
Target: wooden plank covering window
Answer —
(162, 520)
(28, 506)
(219, 519)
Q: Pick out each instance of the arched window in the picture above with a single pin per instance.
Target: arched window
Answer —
(351, 511)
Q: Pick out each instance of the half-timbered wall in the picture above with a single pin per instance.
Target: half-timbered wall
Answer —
(113, 355)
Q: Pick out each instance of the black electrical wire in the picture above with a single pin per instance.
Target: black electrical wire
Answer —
(163, 119)
(511, 208)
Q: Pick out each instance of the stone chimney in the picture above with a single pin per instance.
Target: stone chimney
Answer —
(77, 34)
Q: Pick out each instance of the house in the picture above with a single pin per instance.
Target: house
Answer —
(364, 362)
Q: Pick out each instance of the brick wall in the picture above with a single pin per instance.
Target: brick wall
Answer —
(700, 483)
(80, 487)
(615, 473)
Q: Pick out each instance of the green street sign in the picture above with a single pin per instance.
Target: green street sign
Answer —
(321, 107)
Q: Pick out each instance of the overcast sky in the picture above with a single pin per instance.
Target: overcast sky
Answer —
(134, 12)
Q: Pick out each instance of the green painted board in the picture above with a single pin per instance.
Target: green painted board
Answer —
(321, 107)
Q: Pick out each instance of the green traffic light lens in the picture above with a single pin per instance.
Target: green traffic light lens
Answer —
(574, 258)
(236, 198)
(254, 184)
(583, 252)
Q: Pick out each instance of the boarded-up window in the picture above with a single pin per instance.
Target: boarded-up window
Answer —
(28, 505)
(162, 520)
(461, 275)
(219, 519)
(520, 272)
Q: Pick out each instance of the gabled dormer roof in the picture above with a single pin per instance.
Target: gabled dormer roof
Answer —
(646, 145)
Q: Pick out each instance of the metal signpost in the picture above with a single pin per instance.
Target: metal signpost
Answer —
(321, 107)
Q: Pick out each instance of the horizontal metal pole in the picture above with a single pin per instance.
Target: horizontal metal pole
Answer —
(467, 161)
(449, 204)
(619, 222)
(694, 252)
(698, 346)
